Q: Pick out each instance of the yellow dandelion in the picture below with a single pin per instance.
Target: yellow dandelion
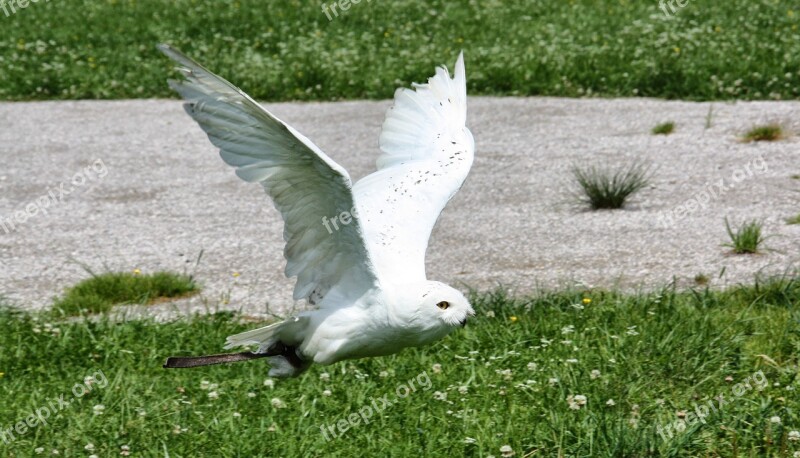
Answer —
(137, 271)
(587, 300)
(2, 374)
(677, 50)
(236, 274)
(513, 319)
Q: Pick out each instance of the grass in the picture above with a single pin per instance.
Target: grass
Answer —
(73, 49)
(505, 379)
(665, 128)
(709, 117)
(747, 238)
(701, 279)
(610, 189)
(768, 133)
(794, 219)
(100, 293)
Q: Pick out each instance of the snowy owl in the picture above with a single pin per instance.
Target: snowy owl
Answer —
(358, 251)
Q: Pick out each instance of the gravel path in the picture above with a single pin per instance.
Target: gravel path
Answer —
(156, 193)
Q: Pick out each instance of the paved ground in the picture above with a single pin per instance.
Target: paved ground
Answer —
(156, 194)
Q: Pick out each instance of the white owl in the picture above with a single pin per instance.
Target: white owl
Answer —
(358, 251)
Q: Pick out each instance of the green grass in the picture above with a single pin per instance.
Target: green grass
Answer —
(70, 49)
(701, 279)
(101, 292)
(504, 380)
(747, 238)
(794, 219)
(768, 133)
(665, 128)
(604, 188)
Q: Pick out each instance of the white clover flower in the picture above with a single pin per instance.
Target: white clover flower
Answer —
(89, 447)
(532, 366)
(323, 376)
(383, 374)
(794, 436)
(594, 374)
(205, 384)
(269, 383)
(569, 329)
(776, 419)
(796, 454)
(124, 450)
(490, 314)
(327, 393)
(552, 381)
(277, 403)
(506, 373)
(632, 331)
(437, 368)
(470, 440)
(237, 415)
(572, 361)
(38, 450)
(506, 451)
(251, 395)
(463, 389)
(99, 409)
(213, 395)
(576, 401)
(439, 396)
(611, 403)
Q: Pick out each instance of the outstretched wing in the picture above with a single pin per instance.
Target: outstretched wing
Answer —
(304, 183)
(427, 154)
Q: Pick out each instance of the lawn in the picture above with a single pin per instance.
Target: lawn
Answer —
(570, 373)
(105, 49)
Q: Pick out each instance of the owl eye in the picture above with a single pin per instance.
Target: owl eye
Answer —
(444, 305)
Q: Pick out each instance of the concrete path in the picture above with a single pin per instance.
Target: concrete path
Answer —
(136, 184)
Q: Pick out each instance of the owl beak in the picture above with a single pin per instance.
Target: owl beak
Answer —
(464, 322)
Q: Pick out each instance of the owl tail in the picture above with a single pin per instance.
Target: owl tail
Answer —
(282, 338)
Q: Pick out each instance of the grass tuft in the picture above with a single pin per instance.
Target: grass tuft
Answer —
(794, 219)
(768, 133)
(747, 238)
(701, 279)
(610, 189)
(665, 128)
(101, 292)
